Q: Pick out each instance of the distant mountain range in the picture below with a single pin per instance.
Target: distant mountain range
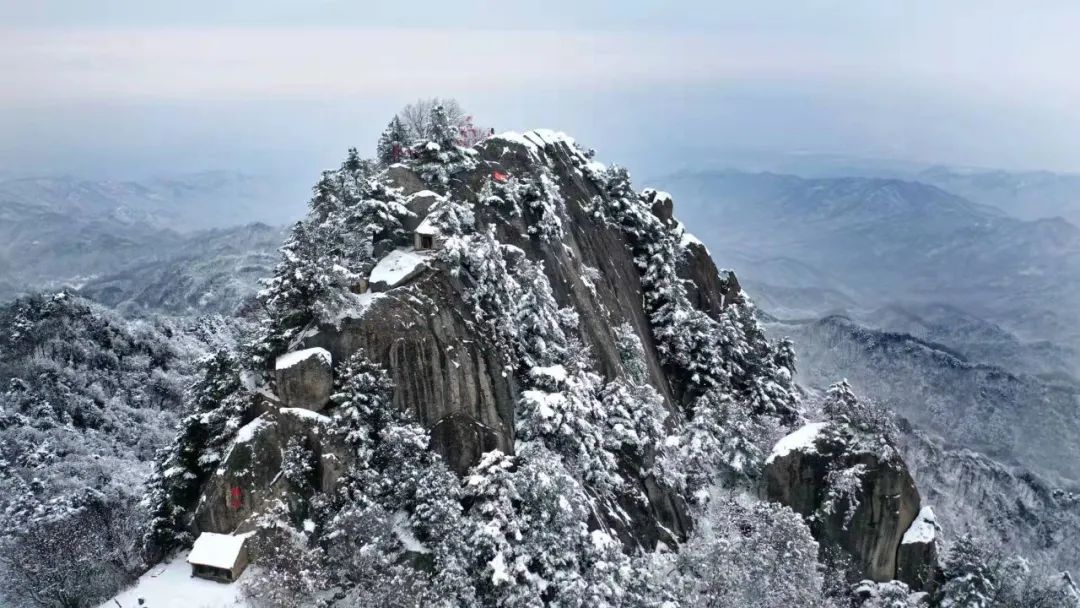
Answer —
(1027, 195)
(879, 241)
(162, 242)
(194, 201)
(952, 302)
(995, 431)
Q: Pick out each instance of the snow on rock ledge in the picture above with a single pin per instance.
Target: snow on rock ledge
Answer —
(917, 556)
(923, 529)
(290, 359)
(802, 439)
(397, 267)
(305, 378)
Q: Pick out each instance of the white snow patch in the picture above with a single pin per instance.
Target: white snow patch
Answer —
(601, 540)
(249, 380)
(923, 529)
(405, 534)
(300, 412)
(247, 432)
(355, 306)
(499, 574)
(547, 136)
(428, 227)
(170, 585)
(424, 193)
(555, 372)
(173, 472)
(516, 138)
(397, 265)
(547, 404)
(802, 439)
(290, 359)
(217, 550)
(688, 238)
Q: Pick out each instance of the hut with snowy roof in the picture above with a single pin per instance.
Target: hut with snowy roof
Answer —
(219, 557)
(428, 235)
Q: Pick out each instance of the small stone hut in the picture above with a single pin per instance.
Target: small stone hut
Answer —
(428, 236)
(219, 557)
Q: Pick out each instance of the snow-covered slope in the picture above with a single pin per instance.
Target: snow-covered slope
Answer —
(170, 585)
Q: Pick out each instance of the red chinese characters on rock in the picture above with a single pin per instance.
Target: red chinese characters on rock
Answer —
(235, 499)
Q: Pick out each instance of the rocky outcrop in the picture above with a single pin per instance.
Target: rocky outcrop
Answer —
(917, 556)
(305, 378)
(804, 473)
(249, 476)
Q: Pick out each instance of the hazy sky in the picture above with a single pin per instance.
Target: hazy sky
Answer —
(128, 87)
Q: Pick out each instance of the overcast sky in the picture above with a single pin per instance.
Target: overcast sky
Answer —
(129, 88)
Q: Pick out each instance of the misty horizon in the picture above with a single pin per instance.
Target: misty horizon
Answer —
(128, 91)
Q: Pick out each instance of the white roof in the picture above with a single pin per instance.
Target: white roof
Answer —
(428, 227)
(217, 550)
(290, 359)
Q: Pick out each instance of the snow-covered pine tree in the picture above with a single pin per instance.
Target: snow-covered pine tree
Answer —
(393, 143)
(442, 132)
(969, 582)
(219, 407)
(305, 280)
(747, 554)
(353, 219)
(532, 545)
(437, 156)
(841, 405)
(731, 374)
(394, 469)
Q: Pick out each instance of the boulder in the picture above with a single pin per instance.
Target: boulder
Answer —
(397, 267)
(305, 378)
(401, 176)
(917, 556)
(797, 474)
